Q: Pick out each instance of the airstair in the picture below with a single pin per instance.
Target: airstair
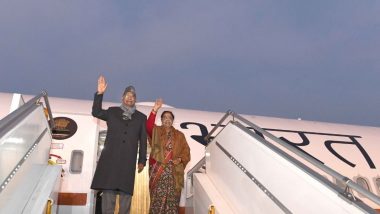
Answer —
(27, 183)
(246, 170)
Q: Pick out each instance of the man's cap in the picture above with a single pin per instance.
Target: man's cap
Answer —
(130, 89)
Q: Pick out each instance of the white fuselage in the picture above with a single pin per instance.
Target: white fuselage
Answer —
(351, 150)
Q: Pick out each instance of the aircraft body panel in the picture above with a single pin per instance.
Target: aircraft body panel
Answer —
(351, 150)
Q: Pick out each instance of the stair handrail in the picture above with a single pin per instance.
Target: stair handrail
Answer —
(202, 162)
(349, 183)
(17, 115)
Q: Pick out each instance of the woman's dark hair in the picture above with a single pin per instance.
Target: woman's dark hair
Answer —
(164, 112)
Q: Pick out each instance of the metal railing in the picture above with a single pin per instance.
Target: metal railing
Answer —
(202, 162)
(12, 120)
(8, 122)
(349, 183)
(195, 168)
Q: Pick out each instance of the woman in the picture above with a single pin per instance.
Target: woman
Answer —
(169, 156)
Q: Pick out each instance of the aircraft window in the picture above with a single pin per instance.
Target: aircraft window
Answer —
(377, 182)
(76, 161)
(363, 183)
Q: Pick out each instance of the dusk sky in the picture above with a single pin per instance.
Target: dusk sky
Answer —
(315, 60)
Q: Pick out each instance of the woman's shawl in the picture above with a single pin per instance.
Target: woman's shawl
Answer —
(180, 150)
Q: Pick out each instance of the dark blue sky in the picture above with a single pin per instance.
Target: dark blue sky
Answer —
(316, 60)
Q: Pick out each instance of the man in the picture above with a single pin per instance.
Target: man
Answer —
(115, 172)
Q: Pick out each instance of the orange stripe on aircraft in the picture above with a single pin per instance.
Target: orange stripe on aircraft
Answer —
(73, 199)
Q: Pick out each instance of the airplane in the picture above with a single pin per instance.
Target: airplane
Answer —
(78, 139)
